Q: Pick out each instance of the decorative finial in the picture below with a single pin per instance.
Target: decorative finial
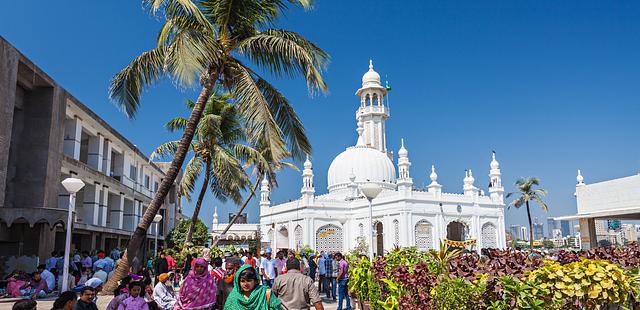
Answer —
(402, 142)
(370, 64)
(580, 178)
(434, 175)
(360, 130)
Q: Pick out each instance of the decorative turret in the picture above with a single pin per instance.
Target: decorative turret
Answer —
(496, 191)
(353, 187)
(404, 180)
(308, 189)
(372, 111)
(434, 187)
(580, 181)
(215, 216)
(265, 201)
(469, 188)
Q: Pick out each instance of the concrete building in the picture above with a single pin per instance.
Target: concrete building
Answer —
(241, 234)
(47, 135)
(514, 230)
(551, 225)
(617, 199)
(538, 230)
(628, 232)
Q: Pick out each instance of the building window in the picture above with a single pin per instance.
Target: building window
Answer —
(133, 172)
(329, 238)
(147, 181)
(424, 235)
(155, 186)
(361, 229)
(489, 236)
(298, 237)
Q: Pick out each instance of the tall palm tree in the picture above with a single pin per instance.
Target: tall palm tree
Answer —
(202, 42)
(215, 149)
(526, 193)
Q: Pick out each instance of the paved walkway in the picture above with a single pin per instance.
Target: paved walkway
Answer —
(103, 301)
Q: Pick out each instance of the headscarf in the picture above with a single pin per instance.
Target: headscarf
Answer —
(198, 290)
(93, 282)
(163, 277)
(257, 300)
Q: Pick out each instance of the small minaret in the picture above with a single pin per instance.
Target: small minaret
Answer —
(434, 187)
(353, 187)
(580, 180)
(308, 190)
(265, 201)
(496, 191)
(404, 182)
(469, 188)
(215, 216)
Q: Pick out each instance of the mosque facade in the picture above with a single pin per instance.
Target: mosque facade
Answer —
(401, 214)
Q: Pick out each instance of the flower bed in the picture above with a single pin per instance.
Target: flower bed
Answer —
(603, 278)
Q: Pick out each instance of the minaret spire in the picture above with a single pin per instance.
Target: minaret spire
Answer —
(308, 189)
(265, 200)
(404, 180)
(372, 111)
(496, 191)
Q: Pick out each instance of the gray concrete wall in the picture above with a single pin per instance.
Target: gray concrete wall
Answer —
(8, 76)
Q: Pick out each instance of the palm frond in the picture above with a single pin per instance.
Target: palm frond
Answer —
(127, 85)
(191, 173)
(167, 149)
(286, 53)
(230, 178)
(178, 123)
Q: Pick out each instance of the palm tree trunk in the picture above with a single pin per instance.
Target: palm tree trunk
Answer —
(235, 217)
(135, 244)
(196, 211)
(530, 227)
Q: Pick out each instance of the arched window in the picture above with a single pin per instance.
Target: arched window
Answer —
(361, 230)
(489, 237)
(424, 235)
(298, 236)
(282, 239)
(329, 238)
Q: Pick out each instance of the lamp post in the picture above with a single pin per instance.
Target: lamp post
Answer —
(72, 185)
(156, 220)
(370, 191)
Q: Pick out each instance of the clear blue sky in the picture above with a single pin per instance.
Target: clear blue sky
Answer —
(552, 86)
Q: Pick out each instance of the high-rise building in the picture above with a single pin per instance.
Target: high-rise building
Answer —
(524, 235)
(565, 227)
(629, 233)
(538, 230)
(515, 231)
(551, 225)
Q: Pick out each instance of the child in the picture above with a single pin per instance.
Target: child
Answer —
(135, 301)
(248, 294)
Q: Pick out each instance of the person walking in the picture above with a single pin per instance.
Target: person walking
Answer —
(161, 265)
(186, 268)
(249, 294)
(332, 273)
(225, 283)
(322, 271)
(268, 269)
(343, 281)
(199, 288)
(295, 290)
(66, 301)
(280, 263)
(312, 267)
(86, 302)
(250, 260)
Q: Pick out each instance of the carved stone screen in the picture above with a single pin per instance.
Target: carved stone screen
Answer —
(396, 232)
(424, 235)
(298, 236)
(489, 236)
(329, 238)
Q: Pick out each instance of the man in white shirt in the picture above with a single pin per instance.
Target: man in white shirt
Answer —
(100, 274)
(48, 277)
(268, 269)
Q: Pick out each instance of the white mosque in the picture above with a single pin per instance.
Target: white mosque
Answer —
(402, 214)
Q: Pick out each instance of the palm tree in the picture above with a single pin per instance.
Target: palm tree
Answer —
(526, 194)
(215, 147)
(203, 43)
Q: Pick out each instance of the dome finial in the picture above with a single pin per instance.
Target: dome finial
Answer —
(580, 178)
(403, 151)
(370, 64)
(434, 175)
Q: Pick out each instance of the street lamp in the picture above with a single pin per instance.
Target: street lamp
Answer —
(72, 185)
(156, 220)
(370, 191)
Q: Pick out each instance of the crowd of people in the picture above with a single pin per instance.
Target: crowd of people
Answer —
(237, 280)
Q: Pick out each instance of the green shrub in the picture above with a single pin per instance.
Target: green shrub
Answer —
(458, 294)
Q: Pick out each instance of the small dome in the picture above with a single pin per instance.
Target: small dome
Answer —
(433, 176)
(307, 163)
(403, 151)
(371, 77)
(367, 164)
(494, 163)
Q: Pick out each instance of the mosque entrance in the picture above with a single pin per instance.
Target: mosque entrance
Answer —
(282, 239)
(457, 231)
(379, 239)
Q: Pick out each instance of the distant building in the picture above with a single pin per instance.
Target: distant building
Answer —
(47, 135)
(551, 225)
(556, 234)
(240, 234)
(242, 218)
(538, 230)
(514, 230)
(565, 227)
(629, 233)
(524, 235)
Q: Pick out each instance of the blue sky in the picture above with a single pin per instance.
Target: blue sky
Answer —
(552, 86)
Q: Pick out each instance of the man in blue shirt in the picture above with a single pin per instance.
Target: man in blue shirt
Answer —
(50, 263)
(268, 268)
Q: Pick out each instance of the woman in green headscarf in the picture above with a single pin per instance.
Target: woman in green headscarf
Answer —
(247, 292)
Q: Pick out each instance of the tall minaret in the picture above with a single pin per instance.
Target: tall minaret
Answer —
(404, 180)
(372, 111)
(215, 216)
(496, 191)
(308, 189)
(264, 192)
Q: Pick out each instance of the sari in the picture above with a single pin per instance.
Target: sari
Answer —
(256, 301)
(198, 290)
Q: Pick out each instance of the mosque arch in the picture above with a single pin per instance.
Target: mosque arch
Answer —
(424, 235)
(489, 236)
(396, 233)
(457, 231)
(379, 238)
(297, 232)
(282, 238)
(329, 238)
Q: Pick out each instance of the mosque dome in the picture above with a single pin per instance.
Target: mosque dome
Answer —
(367, 164)
(371, 77)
